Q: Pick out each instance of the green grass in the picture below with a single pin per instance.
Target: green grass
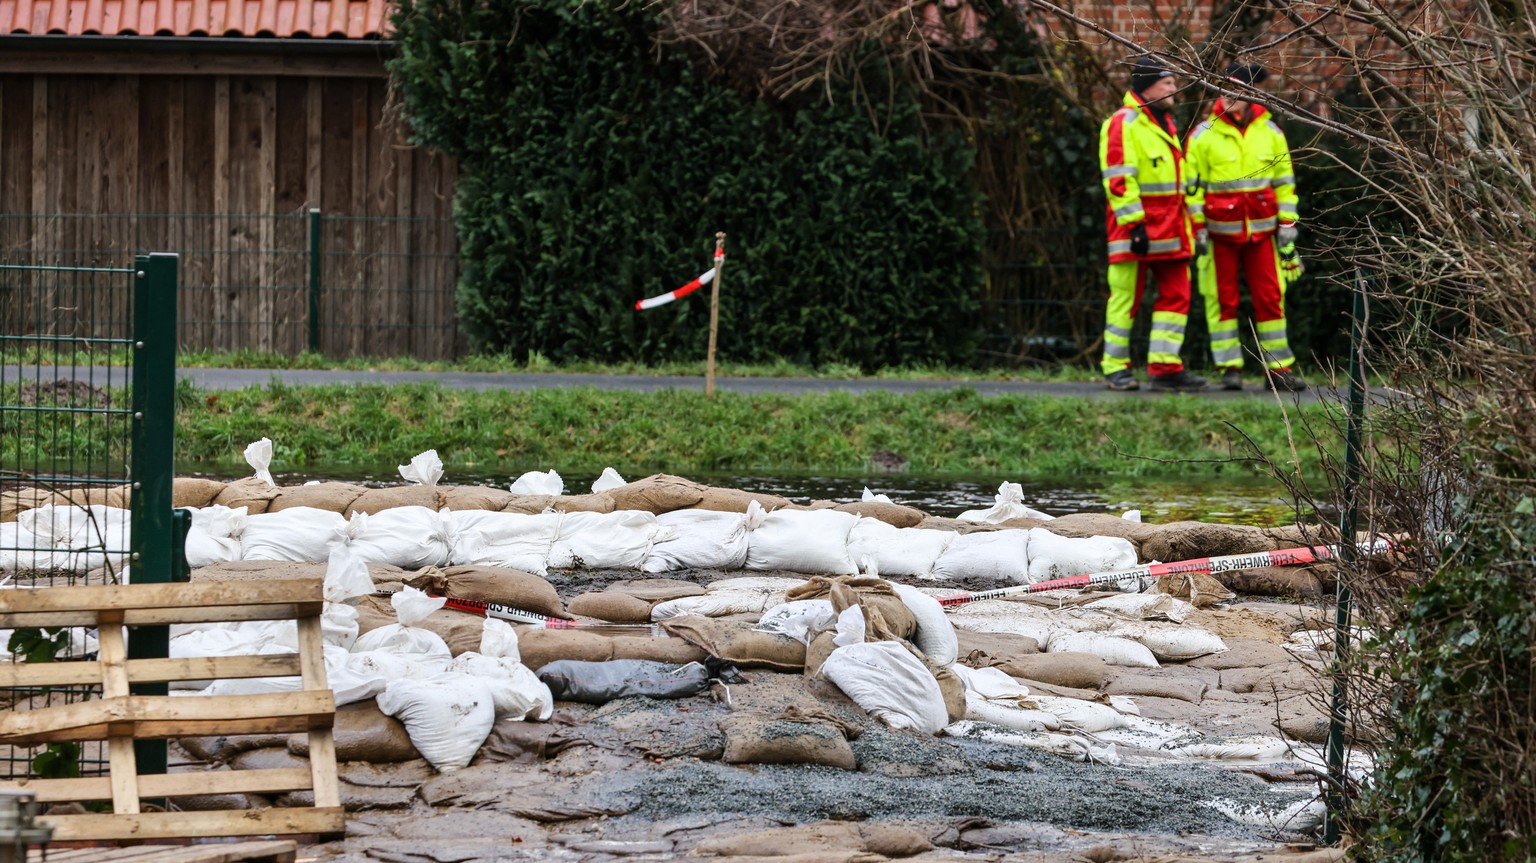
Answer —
(681, 431)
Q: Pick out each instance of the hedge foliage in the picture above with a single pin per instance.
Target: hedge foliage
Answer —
(596, 169)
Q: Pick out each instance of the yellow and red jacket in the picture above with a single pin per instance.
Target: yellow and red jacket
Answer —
(1241, 184)
(1143, 171)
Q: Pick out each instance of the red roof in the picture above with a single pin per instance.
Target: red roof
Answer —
(348, 19)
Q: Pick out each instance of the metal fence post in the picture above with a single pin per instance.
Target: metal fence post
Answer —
(314, 280)
(153, 460)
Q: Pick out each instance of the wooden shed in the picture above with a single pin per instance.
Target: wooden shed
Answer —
(212, 128)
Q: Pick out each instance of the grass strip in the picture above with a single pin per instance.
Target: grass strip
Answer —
(935, 432)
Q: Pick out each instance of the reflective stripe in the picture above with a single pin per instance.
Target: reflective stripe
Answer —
(1199, 130)
(1224, 227)
(1163, 346)
(1246, 185)
(1228, 356)
(1262, 224)
(1287, 180)
(1122, 332)
(1172, 320)
(1134, 208)
(1275, 127)
(1281, 359)
(1269, 328)
(1159, 188)
(1120, 171)
(1117, 351)
(1196, 211)
(1165, 246)
(1288, 210)
(1227, 332)
(1118, 246)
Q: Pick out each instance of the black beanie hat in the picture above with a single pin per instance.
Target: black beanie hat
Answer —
(1247, 73)
(1147, 72)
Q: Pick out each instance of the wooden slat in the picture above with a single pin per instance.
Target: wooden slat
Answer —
(152, 716)
(151, 670)
(177, 825)
(161, 616)
(170, 784)
(189, 64)
(214, 597)
(322, 746)
(40, 145)
(113, 654)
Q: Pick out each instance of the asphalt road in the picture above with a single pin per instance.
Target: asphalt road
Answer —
(229, 379)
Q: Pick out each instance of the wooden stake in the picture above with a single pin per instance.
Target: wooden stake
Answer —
(714, 314)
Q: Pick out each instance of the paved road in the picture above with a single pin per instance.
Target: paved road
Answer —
(228, 379)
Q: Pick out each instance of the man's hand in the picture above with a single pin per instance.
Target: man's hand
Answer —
(1286, 236)
(1139, 241)
(1290, 261)
(1202, 242)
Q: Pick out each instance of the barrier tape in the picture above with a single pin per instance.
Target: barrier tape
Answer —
(685, 290)
(518, 615)
(1198, 565)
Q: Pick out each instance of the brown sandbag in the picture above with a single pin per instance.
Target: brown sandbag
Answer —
(472, 497)
(1243, 653)
(222, 749)
(363, 733)
(192, 491)
(528, 504)
(735, 500)
(760, 739)
(1200, 589)
(1080, 525)
(498, 584)
(886, 617)
(379, 499)
(539, 647)
(329, 496)
(1125, 681)
(460, 630)
(515, 741)
(657, 589)
(114, 496)
(893, 514)
(599, 502)
(955, 525)
(673, 651)
(1074, 670)
(267, 758)
(657, 494)
(252, 493)
(999, 644)
(612, 607)
(259, 570)
(1183, 540)
(736, 641)
(1291, 582)
(952, 688)
(12, 503)
(841, 841)
(1288, 676)
(816, 654)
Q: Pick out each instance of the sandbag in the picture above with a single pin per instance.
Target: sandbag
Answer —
(379, 499)
(330, 496)
(1182, 540)
(729, 596)
(1171, 641)
(363, 733)
(893, 514)
(1184, 688)
(214, 536)
(1143, 606)
(252, 493)
(886, 616)
(998, 555)
(298, 534)
(739, 643)
(1200, 589)
(1087, 524)
(735, 500)
(898, 551)
(597, 540)
(529, 504)
(656, 589)
(1007, 505)
(1061, 668)
(1084, 715)
(602, 682)
(592, 503)
(412, 537)
(801, 620)
(539, 647)
(447, 718)
(810, 542)
(516, 693)
(657, 494)
(612, 607)
(890, 683)
(761, 739)
(186, 492)
(1052, 557)
(538, 482)
(503, 539)
(700, 539)
(674, 651)
(498, 584)
(473, 497)
(1290, 582)
(935, 635)
(1113, 650)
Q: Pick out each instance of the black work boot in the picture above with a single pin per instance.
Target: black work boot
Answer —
(1122, 381)
(1282, 380)
(1232, 379)
(1179, 382)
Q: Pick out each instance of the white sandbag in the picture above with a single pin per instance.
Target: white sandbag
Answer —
(1082, 715)
(609, 479)
(1000, 615)
(1168, 641)
(346, 574)
(258, 455)
(1067, 746)
(935, 634)
(410, 537)
(1010, 716)
(214, 536)
(699, 539)
(369, 664)
(890, 683)
(1115, 651)
(1250, 748)
(871, 497)
(1143, 606)
(1008, 504)
(745, 595)
(810, 541)
(499, 640)
(21, 550)
(990, 683)
(536, 482)
(998, 555)
(302, 533)
(94, 536)
(1052, 557)
(1301, 816)
(850, 627)
(603, 540)
(338, 625)
(347, 684)
(802, 620)
(516, 692)
(424, 470)
(447, 718)
(908, 551)
(405, 638)
(507, 539)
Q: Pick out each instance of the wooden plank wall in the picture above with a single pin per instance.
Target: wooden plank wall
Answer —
(223, 169)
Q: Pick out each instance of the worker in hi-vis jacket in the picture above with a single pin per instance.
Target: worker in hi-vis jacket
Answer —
(1241, 192)
(1149, 231)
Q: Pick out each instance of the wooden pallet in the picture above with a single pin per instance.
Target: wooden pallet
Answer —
(270, 851)
(120, 718)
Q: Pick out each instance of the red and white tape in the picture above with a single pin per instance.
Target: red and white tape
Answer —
(685, 290)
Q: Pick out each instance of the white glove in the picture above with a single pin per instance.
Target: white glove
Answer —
(1286, 235)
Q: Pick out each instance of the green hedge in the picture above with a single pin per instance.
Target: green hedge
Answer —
(596, 169)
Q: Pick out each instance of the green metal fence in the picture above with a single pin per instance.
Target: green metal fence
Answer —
(283, 283)
(87, 420)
